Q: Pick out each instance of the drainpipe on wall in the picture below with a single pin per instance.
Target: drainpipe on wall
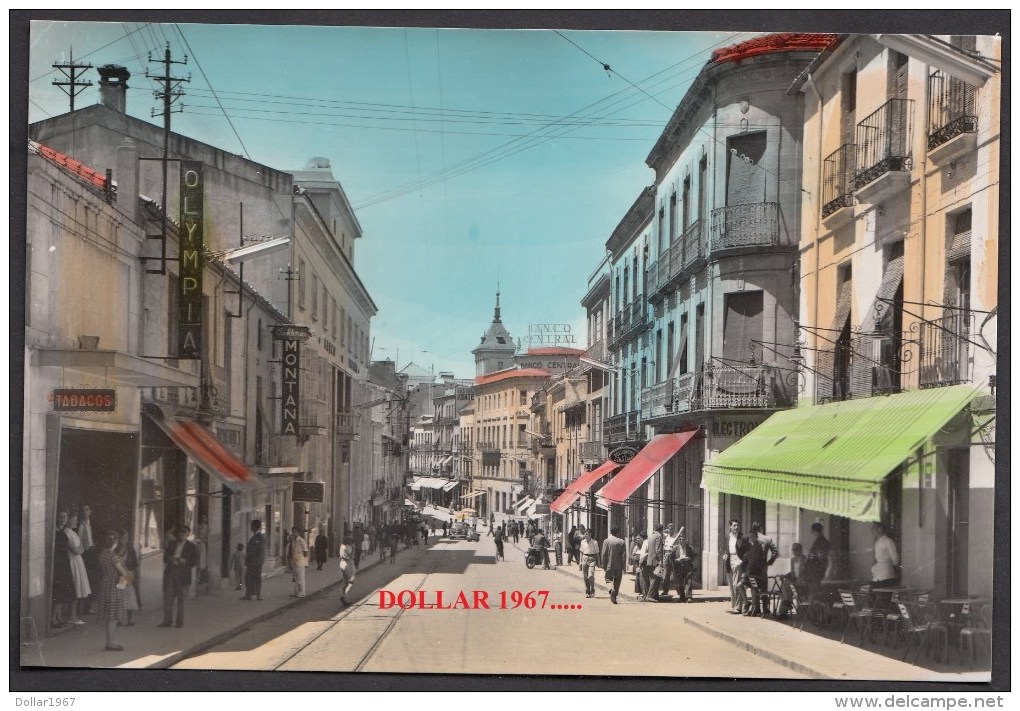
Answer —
(817, 208)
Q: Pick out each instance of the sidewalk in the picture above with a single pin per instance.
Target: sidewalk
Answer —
(208, 618)
(803, 651)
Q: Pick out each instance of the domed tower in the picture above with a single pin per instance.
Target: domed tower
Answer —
(496, 351)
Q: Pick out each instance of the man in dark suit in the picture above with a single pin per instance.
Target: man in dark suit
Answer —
(614, 558)
(655, 558)
(254, 559)
(179, 557)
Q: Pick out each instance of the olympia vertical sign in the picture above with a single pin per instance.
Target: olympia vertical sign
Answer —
(191, 264)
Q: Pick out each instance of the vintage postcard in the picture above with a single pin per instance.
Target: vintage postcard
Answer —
(455, 350)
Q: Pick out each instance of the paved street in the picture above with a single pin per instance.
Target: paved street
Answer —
(314, 637)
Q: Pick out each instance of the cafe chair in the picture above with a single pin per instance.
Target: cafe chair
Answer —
(969, 636)
(914, 628)
(856, 614)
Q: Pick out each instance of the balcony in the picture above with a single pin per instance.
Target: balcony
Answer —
(945, 350)
(592, 452)
(838, 185)
(488, 447)
(693, 240)
(883, 151)
(737, 387)
(750, 225)
(952, 117)
(622, 428)
(345, 426)
(663, 273)
(657, 400)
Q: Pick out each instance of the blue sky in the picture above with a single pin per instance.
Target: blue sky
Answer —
(469, 155)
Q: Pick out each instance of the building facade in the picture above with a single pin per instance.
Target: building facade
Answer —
(899, 258)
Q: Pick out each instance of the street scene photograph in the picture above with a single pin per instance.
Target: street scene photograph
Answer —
(509, 352)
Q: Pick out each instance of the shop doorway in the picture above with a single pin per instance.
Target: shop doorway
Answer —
(98, 469)
(958, 506)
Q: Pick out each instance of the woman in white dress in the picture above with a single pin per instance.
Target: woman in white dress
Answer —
(79, 575)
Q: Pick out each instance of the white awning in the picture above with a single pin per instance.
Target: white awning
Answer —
(446, 461)
(450, 485)
(472, 494)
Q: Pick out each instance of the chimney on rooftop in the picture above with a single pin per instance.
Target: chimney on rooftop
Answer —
(113, 86)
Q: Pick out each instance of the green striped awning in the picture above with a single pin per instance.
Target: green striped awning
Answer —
(833, 458)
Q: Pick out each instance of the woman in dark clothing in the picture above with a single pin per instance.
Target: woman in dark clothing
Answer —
(63, 582)
(111, 590)
(573, 539)
(321, 544)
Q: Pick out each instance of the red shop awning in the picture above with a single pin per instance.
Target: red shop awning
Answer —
(580, 485)
(647, 462)
(206, 451)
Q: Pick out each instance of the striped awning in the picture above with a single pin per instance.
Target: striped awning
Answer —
(833, 458)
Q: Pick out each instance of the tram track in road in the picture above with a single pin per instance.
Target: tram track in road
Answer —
(351, 610)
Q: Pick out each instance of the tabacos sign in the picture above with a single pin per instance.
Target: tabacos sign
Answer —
(191, 262)
(83, 400)
(291, 338)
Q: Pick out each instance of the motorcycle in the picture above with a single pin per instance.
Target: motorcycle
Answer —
(533, 558)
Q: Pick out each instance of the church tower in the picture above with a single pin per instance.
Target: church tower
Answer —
(496, 351)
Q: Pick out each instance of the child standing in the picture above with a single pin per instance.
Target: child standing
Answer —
(237, 565)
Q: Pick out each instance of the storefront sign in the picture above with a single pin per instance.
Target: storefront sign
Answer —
(191, 264)
(290, 419)
(550, 334)
(622, 455)
(309, 491)
(83, 400)
(733, 428)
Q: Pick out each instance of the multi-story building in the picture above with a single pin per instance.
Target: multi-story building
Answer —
(899, 247)
(310, 284)
(114, 420)
(577, 503)
(703, 290)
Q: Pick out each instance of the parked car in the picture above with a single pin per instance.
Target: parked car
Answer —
(459, 529)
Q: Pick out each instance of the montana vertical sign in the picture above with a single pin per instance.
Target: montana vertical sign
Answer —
(291, 386)
(192, 263)
(291, 337)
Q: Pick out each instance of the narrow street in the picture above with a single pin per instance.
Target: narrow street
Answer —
(609, 639)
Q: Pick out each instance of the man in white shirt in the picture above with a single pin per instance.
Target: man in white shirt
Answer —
(738, 599)
(589, 561)
(883, 572)
(668, 541)
(298, 560)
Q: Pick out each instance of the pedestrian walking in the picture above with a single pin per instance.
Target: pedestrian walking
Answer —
(589, 561)
(237, 566)
(394, 544)
(348, 568)
(499, 544)
(321, 549)
(297, 558)
(517, 531)
(254, 559)
(179, 557)
(573, 545)
(614, 560)
(114, 580)
(655, 571)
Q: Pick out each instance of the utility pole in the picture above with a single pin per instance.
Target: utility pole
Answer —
(169, 93)
(72, 86)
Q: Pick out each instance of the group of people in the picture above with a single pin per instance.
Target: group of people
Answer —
(748, 558)
(108, 582)
(661, 560)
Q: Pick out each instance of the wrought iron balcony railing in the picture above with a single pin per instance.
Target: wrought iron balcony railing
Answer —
(694, 243)
(622, 428)
(657, 400)
(592, 452)
(884, 141)
(952, 109)
(838, 179)
(345, 424)
(750, 225)
(945, 350)
(737, 386)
